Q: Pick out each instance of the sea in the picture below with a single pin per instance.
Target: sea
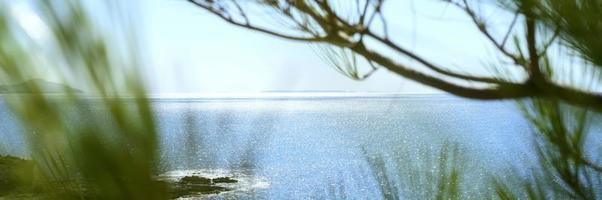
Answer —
(333, 146)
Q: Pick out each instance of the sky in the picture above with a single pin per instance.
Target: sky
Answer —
(196, 52)
(189, 50)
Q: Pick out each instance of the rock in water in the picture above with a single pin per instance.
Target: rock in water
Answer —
(195, 185)
(195, 180)
(224, 180)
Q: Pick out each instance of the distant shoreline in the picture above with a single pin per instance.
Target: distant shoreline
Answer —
(291, 95)
(258, 96)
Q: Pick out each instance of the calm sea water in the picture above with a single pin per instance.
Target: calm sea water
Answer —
(303, 148)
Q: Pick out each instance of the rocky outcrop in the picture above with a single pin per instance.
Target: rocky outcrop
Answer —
(197, 185)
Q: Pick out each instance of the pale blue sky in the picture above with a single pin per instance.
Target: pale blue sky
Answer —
(192, 51)
(195, 52)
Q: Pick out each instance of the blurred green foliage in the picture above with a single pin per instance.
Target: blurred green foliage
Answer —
(565, 169)
(111, 155)
(422, 175)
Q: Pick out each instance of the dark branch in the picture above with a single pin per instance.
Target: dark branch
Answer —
(251, 27)
(430, 65)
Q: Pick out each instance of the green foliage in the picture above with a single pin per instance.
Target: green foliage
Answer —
(112, 155)
(578, 22)
(15, 174)
(424, 175)
(564, 169)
